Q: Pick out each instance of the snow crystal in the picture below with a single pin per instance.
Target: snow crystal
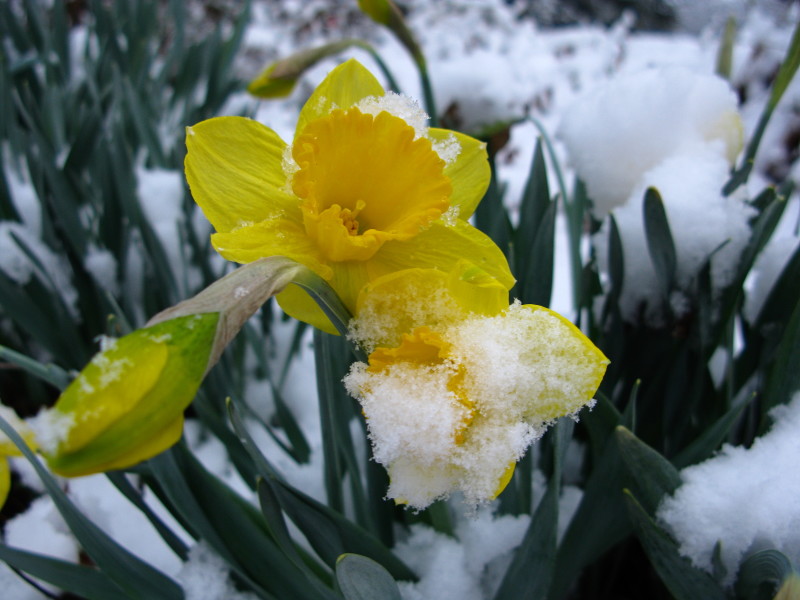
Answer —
(617, 131)
(50, 428)
(205, 576)
(398, 105)
(448, 149)
(743, 498)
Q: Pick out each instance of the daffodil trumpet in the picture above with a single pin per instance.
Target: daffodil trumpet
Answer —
(365, 189)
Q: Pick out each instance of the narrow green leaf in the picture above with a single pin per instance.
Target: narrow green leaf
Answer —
(535, 197)
(684, 581)
(598, 524)
(531, 569)
(361, 578)
(300, 450)
(231, 525)
(783, 379)
(616, 261)
(782, 298)
(491, 216)
(785, 74)
(79, 580)
(711, 437)
(125, 487)
(52, 374)
(136, 577)
(653, 476)
(331, 534)
(330, 303)
(659, 239)
(725, 52)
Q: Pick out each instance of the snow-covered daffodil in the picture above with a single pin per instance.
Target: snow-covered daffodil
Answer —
(127, 404)
(365, 189)
(459, 383)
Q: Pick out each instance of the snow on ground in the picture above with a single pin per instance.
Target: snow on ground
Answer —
(744, 498)
(487, 67)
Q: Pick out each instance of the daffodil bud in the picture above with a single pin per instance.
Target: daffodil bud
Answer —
(278, 79)
(387, 13)
(127, 404)
(7, 448)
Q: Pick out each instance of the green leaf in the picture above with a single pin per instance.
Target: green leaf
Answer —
(711, 437)
(783, 379)
(328, 531)
(684, 581)
(79, 580)
(785, 74)
(330, 303)
(52, 374)
(761, 575)
(653, 475)
(361, 578)
(331, 533)
(659, 239)
(535, 236)
(133, 495)
(231, 525)
(491, 216)
(598, 524)
(531, 569)
(136, 577)
(725, 52)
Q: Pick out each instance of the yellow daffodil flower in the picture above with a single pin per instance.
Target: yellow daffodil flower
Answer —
(364, 190)
(459, 383)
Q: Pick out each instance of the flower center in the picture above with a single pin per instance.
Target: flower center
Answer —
(365, 180)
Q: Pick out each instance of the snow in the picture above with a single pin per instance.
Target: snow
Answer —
(465, 567)
(205, 576)
(744, 498)
(619, 130)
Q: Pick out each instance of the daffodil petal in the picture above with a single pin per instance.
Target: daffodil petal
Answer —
(5, 480)
(469, 173)
(156, 444)
(576, 366)
(402, 301)
(234, 167)
(344, 87)
(272, 237)
(442, 246)
(505, 479)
